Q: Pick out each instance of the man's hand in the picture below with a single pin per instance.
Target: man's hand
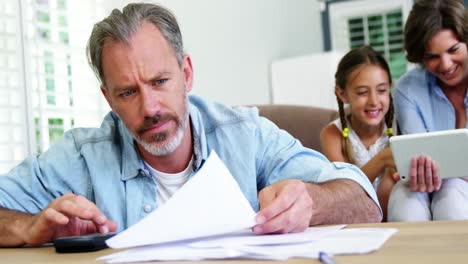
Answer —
(285, 207)
(69, 215)
(424, 175)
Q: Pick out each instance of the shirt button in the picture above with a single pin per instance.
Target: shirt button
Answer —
(147, 208)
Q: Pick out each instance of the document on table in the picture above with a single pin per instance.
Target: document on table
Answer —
(210, 203)
(210, 218)
(308, 244)
(233, 245)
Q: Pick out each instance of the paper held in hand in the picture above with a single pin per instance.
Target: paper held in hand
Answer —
(210, 203)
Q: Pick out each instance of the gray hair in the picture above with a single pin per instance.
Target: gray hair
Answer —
(120, 26)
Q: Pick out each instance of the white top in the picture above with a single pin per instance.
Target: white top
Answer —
(362, 155)
(169, 183)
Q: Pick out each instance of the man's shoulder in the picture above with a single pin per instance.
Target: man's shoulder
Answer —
(215, 114)
(90, 135)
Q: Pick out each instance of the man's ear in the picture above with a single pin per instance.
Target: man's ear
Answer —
(188, 72)
(340, 93)
(105, 92)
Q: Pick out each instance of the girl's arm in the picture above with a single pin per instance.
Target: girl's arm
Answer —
(375, 166)
(331, 140)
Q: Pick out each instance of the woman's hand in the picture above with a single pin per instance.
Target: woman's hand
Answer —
(424, 175)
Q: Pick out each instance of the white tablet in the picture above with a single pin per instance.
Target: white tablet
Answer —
(449, 148)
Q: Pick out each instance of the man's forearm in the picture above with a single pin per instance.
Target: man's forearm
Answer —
(12, 225)
(342, 202)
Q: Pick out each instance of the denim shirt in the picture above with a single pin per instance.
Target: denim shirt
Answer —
(421, 105)
(103, 165)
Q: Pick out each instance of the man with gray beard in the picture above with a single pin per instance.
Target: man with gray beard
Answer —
(156, 137)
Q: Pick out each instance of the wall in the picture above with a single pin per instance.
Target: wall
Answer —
(233, 42)
(306, 80)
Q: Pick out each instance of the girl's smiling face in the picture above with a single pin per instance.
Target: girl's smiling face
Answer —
(368, 94)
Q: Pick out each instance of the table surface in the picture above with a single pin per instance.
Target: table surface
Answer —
(419, 242)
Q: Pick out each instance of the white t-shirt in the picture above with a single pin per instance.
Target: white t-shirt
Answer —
(168, 183)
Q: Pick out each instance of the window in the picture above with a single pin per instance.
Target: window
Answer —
(379, 25)
(383, 32)
(62, 21)
(42, 55)
(62, 4)
(55, 128)
(13, 121)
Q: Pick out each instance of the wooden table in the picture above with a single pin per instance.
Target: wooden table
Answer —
(421, 242)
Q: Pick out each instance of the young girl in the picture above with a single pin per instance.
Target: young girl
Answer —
(361, 137)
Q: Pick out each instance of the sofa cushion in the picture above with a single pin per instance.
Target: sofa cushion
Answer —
(303, 122)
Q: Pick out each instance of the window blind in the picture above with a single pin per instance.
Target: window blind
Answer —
(384, 33)
(14, 144)
(377, 23)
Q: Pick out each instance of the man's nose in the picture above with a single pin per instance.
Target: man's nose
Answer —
(149, 102)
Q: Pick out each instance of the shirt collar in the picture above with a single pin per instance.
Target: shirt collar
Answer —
(434, 86)
(200, 147)
(131, 161)
(130, 157)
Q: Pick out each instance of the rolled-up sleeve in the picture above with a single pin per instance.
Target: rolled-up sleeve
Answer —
(288, 159)
(22, 190)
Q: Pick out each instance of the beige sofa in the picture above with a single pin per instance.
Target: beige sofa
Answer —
(303, 122)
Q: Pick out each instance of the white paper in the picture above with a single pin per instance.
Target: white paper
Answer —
(171, 252)
(342, 242)
(210, 203)
(247, 237)
(331, 241)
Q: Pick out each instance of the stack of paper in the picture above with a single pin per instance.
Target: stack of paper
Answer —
(210, 218)
(275, 247)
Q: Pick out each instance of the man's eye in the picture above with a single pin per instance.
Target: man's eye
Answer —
(159, 82)
(127, 93)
